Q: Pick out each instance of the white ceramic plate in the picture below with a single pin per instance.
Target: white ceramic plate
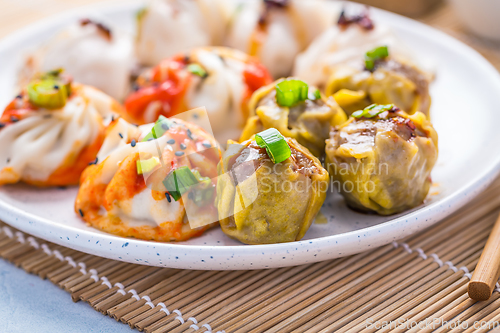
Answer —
(464, 111)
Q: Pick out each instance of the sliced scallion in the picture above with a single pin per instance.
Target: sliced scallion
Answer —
(48, 93)
(160, 127)
(377, 53)
(197, 70)
(179, 181)
(146, 166)
(291, 92)
(276, 146)
(372, 110)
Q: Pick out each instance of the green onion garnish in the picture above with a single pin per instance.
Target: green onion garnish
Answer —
(372, 110)
(146, 166)
(377, 53)
(276, 146)
(179, 181)
(315, 95)
(49, 91)
(291, 92)
(160, 127)
(197, 70)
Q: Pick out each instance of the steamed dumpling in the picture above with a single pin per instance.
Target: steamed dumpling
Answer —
(220, 79)
(276, 31)
(345, 41)
(91, 53)
(116, 197)
(167, 27)
(382, 162)
(51, 146)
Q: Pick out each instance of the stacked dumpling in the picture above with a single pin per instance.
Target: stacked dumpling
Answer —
(151, 182)
(52, 131)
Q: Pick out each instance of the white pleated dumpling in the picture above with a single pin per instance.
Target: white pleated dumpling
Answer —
(276, 31)
(167, 27)
(52, 146)
(91, 53)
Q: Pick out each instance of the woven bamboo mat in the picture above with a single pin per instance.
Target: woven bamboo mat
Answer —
(417, 284)
(422, 279)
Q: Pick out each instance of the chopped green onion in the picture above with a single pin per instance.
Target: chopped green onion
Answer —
(372, 110)
(314, 96)
(49, 93)
(197, 70)
(50, 90)
(377, 53)
(291, 92)
(160, 127)
(276, 146)
(179, 181)
(146, 166)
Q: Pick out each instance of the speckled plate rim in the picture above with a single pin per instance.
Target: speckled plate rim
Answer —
(257, 256)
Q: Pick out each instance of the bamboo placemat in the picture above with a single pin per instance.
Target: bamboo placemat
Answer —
(419, 282)
(422, 279)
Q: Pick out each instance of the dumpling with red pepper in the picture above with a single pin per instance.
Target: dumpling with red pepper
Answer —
(152, 182)
(381, 159)
(275, 31)
(297, 110)
(269, 190)
(220, 79)
(348, 40)
(91, 52)
(168, 27)
(380, 78)
(52, 130)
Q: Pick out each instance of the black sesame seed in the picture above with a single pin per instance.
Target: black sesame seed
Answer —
(179, 153)
(2, 125)
(19, 96)
(189, 134)
(207, 145)
(56, 87)
(183, 146)
(8, 160)
(133, 143)
(13, 119)
(94, 162)
(165, 126)
(171, 141)
(121, 135)
(167, 195)
(150, 139)
(112, 118)
(135, 87)
(81, 212)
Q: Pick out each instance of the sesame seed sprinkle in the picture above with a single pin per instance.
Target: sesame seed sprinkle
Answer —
(165, 126)
(167, 195)
(171, 141)
(179, 153)
(121, 135)
(183, 146)
(189, 134)
(81, 212)
(207, 144)
(133, 143)
(13, 119)
(2, 125)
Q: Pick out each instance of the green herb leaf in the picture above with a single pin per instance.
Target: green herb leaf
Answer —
(276, 146)
(161, 126)
(197, 70)
(291, 92)
(179, 181)
(377, 53)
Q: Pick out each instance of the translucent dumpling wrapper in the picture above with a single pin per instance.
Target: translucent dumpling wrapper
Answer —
(125, 194)
(276, 31)
(51, 147)
(91, 53)
(220, 79)
(308, 121)
(168, 27)
(383, 164)
(343, 43)
(393, 80)
(268, 217)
